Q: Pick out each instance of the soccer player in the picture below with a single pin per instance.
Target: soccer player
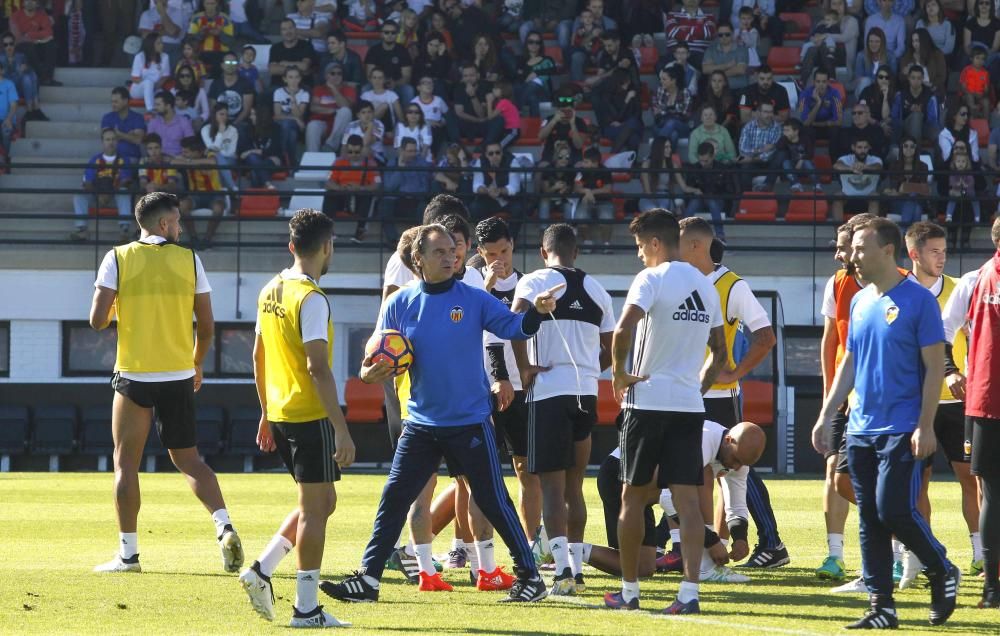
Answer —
(566, 358)
(927, 247)
(982, 407)
(153, 286)
(510, 412)
(671, 312)
(894, 362)
(300, 414)
(448, 409)
(722, 402)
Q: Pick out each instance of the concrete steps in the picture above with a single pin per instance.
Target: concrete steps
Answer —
(87, 93)
(105, 77)
(78, 113)
(64, 130)
(72, 150)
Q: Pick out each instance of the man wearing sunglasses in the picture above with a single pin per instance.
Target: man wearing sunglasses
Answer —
(724, 55)
(392, 58)
(330, 110)
(862, 127)
(291, 51)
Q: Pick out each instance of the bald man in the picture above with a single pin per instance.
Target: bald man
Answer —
(727, 454)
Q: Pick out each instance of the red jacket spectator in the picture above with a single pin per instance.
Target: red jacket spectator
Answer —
(690, 25)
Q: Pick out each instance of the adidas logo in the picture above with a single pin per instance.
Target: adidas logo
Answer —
(575, 305)
(475, 442)
(505, 300)
(692, 309)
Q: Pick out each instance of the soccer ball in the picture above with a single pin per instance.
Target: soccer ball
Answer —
(393, 347)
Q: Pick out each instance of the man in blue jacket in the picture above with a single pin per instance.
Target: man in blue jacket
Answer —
(449, 409)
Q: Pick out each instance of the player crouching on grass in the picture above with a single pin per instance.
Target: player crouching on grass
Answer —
(301, 416)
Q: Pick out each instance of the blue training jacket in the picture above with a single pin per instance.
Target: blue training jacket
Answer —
(445, 322)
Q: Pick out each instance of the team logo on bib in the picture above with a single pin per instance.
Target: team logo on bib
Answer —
(891, 313)
(457, 313)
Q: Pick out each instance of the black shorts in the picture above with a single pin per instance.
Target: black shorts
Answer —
(554, 425)
(985, 447)
(307, 449)
(174, 405)
(609, 487)
(838, 429)
(949, 428)
(723, 410)
(668, 440)
(512, 426)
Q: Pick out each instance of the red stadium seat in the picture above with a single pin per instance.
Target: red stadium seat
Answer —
(359, 48)
(783, 60)
(982, 128)
(102, 211)
(607, 406)
(259, 202)
(757, 207)
(806, 208)
(802, 22)
(556, 54)
(364, 402)
(823, 165)
(840, 88)
(529, 131)
(758, 402)
(648, 55)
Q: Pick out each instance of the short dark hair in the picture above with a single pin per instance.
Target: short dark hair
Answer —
(193, 143)
(407, 141)
(152, 138)
(492, 229)
(120, 91)
(921, 232)
(363, 104)
(612, 34)
(745, 11)
(106, 130)
(309, 230)
(355, 140)
(391, 23)
(444, 204)
(560, 239)
(915, 67)
(149, 208)
(682, 45)
(886, 233)
(706, 148)
(676, 72)
(821, 71)
(763, 68)
(696, 225)
(592, 153)
(186, 94)
(336, 33)
(794, 124)
(455, 224)
(167, 97)
(659, 224)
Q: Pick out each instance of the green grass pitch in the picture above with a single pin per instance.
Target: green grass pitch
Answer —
(56, 527)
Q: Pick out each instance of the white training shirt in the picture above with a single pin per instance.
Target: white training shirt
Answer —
(508, 284)
(744, 307)
(396, 273)
(107, 277)
(435, 111)
(956, 309)
(314, 312)
(828, 309)
(681, 306)
(584, 339)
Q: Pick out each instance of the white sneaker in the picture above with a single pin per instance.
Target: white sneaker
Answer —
(232, 551)
(911, 568)
(118, 564)
(315, 619)
(722, 574)
(258, 588)
(857, 586)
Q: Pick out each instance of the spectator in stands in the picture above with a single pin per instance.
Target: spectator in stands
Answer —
(434, 62)
(691, 25)
(214, 30)
(233, 91)
(8, 112)
(439, 26)
(907, 183)
(891, 24)
(642, 19)
(486, 60)
(938, 26)
(584, 45)
(747, 36)
(291, 107)
(414, 127)
(243, 28)
(820, 108)
(725, 56)
(290, 51)
(557, 186)
(248, 71)
(568, 29)
(191, 58)
(981, 28)
(820, 49)
(671, 107)
(681, 55)
(878, 99)
(859, 176)
(14, 66)
(664, 175)
(547, 16)
(349, 61)
(593, 185)
(386, 101)
(394, 60)
(362, 15)
(434, 111)
(199, 101)
(902, 8)
(612, 56)
(719, 97)
(222, 141)
(765, 18)
(170, 19)
(129, 126)
(32, 29)
(845, 40)
(411, 179)
(963, 210)
(468, 119)
(351, 185)
(793, 154)
(155, 175)
(563, 126)
(764, 91)
(106, 181)
(150, 69)
(922, 52)
(958, 130)
(409, 35)
(758, 141)
(369, 130)
(259, 150)
(974, 85)
(712, 132)
(311, 25)
(862, 127)
(534, 72)
(329, 110)
(168, 125)
(117, 20)
(868, 62)
(622, 113)
(992, 160)
(452, 176)
(915, 109)
(494, 183)
(500, 106)
(708, 181)
(204, 190)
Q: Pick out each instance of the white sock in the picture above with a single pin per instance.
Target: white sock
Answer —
(370, 580)
(473, 556)
(707, 563)
(688, 592)
(835, 544)
(409, 550)
(457, 544)
(487, 561)
(272, 555)
(306, 586)
(560, 553)
(221, 519)
(128, 544)
(576, 558)
(424, 559)
(630, 590)
(977, 546)
(587, 548)
(897, 550)
(675, 536)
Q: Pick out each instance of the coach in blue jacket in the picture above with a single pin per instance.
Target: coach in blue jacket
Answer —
(449, 408)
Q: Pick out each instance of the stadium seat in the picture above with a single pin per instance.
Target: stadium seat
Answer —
(607, 406)
(824, 165)
(259, 202)
(841, 90)
(54, 433)
(13, 433)
(758, 402)
(757, 207)
(92, 211)
(95, 434)
(211, 427)
(304, 201)
(982, 128)
(242, 437)
(318, 163)
(783, 60)
(263, 58)
(556, 54)
(359, 48)
(529, 132)
(807, 209)
(802, 22)
(648, 55)
(364, 402)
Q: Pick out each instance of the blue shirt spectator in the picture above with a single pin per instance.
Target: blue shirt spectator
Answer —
(894, 28)
(129, 126)
(902, 8)
(830, 108)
